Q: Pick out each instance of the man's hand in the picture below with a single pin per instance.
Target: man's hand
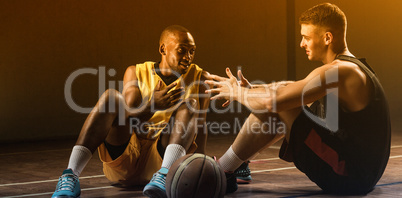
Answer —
(243, 82)
(166, 98)
(227, 88)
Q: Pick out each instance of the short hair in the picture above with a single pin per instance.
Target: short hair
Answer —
(171, 30)
(325, 15)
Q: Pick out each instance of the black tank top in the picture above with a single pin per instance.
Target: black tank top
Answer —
(367, 133)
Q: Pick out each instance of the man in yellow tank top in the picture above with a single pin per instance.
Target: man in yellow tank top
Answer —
(162, 107)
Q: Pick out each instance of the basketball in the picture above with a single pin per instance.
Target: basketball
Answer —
(195, 175)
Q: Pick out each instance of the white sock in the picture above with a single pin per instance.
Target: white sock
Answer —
(172, 153)
(79, 158)
(230, 161)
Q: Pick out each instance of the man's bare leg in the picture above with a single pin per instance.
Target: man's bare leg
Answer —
(180, 140)
(254, 136)
(100, 125)
(201, 137)
(182, 134)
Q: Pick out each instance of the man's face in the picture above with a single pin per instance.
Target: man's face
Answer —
(313, 41)
(180, 51)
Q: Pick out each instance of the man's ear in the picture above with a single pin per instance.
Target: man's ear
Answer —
(162, 49)
(328, 38)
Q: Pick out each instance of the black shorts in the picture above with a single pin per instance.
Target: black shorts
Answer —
(323, 156)
(116, 151)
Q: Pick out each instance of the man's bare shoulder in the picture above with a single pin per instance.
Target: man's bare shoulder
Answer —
(202, 86)
(131, 68)
(342, 64)
(205, 75)
(343, 68)
(355, 88)
(130, 73)
(348, 69)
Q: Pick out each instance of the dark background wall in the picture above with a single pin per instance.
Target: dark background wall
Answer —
(43, 42)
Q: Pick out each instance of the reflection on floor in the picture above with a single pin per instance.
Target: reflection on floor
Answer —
(32, 170)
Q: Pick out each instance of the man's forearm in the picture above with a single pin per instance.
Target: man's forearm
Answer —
(263, 97)
(280, 83)
(256, 99)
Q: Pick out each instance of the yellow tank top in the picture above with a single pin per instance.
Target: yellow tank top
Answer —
(147, 81)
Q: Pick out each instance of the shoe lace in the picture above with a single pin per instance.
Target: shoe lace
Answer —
(159, 178)
(243, 170)
(67, 182)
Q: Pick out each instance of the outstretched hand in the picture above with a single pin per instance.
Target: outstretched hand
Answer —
(166, 98)
(243, 82)
(226, 88)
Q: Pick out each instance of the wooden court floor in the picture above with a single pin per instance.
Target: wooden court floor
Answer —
(32, 170)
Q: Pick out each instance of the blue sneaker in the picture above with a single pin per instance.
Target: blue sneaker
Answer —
(68, 185)
(156, 187)
(243, 174)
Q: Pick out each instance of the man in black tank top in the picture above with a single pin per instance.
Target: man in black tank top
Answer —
(336, 120)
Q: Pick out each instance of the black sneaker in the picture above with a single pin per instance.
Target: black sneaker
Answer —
(231, 185)
(243, 174)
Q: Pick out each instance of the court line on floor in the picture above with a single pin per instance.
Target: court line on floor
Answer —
(45, 181)
(277, 158)
(395, 156)
(285, 168)
(30, 195)
(322, 193)
(278, 147)
(274, 169)
(274, 147)
(268, 159)
(21, 153)
(49, 193)
(106, 187)
(97, 176)
(87, 177)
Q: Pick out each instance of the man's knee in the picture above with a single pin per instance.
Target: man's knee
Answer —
(112, 93)
(110, 101)
(188, 105)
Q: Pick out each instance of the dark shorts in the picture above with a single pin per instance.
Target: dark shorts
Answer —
(116, 151)
(323, 156)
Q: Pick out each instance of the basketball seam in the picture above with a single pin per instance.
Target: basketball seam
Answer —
(218, 178)
(180, 172)
(201, 172)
